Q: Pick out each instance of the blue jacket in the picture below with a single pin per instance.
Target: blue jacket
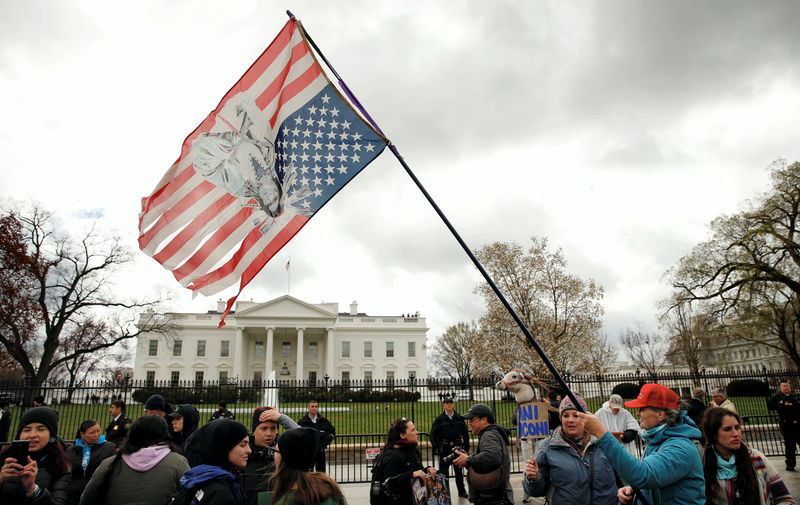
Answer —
(670, 473)
(573, 479)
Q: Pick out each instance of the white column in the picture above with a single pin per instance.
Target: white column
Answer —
(300, 354)
(329, 350)
(239, 360)
(268, 353)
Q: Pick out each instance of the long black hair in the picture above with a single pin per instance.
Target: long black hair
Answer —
(399, 427)
(746, 482)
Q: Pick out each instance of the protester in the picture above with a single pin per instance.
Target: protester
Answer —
(491, 456)
(448, 432)
(5, 420)
(788, 407)
(157, 405)
(85, 455)
(313, 419)
(720, 398)
(146, 469)
(734, 472)
(292, 482)
(218, 455)
(44, 480)
(671, 470)
(185, 419)
(696, 406)
(261, 462)
(400, 461)
(620, 423)
(569, 463)
(117, 431)
(222, 411)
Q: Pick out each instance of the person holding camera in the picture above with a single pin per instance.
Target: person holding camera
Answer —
(490, 466)
(448, 434)
(397, 465)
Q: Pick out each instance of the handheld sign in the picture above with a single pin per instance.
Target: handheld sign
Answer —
(532, 421)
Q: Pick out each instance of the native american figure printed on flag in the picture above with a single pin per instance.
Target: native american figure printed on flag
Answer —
(279, 145)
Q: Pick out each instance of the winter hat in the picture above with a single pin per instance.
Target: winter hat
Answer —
(211, 444)
(256, 414)
(43, 415)
(566, 404)
(156, 402)
(299, 448)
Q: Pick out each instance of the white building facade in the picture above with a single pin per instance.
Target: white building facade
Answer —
(296, 339)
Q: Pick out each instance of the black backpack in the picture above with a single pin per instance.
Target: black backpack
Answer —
(183, 496)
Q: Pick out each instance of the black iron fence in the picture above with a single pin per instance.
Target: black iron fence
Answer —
(362, 411)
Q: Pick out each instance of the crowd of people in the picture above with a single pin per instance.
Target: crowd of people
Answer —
(694, 454)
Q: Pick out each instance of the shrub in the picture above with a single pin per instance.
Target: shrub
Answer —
(747, 387)
(626, 390)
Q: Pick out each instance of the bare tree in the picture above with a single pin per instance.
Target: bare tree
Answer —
(455, 352)
(70, 280)
(561, 310)
(646, 347)
(691, 334)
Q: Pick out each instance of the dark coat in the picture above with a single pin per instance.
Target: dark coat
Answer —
(5, 424)
(396, 467)
(447, 433)
(696, 410)
(53, 490)
(322, 425)
(191, 419)
(492, 452)
(117, 431)
(788, 409)
(260, 467)
(80, 478)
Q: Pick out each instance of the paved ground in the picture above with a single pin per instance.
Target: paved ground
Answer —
(358, 494)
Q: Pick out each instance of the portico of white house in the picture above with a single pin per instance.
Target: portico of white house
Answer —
(297, 340)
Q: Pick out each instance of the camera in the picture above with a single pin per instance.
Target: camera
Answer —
(453, 455)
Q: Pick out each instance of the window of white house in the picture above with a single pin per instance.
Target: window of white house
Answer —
(367, 349)
(286, 350)
(259, 352)
(345, 349)
(412, 349)
(346, 376)
(153, 349)
(174, 377)
(223, 376)
(390, 378)
(368, 377)
(177, 347)
(198, 377)
(151, 377)
(225, 349)
(390, 349)
(258, 376)
(312, 349)
(201, 348)
(312, 377)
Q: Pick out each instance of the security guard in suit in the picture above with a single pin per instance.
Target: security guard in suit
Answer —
(117, 431)
(447, 432)
(788, 407)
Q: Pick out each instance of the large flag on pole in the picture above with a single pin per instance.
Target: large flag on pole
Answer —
(278, 146)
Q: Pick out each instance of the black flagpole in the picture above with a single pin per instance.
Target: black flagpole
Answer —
(464, 246)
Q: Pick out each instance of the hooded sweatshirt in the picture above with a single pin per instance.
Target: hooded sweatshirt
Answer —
(670, 471)
(212, 476)
(191, 418)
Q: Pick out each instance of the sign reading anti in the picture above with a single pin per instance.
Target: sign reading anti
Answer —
(532, 420)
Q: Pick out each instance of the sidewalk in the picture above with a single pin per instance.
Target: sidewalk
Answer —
(358, 494)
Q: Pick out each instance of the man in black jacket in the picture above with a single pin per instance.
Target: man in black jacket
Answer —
(117, 431)
(788, 407)
(447, 432)
(326, 429)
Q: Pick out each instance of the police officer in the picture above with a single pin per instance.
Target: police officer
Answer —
(117, 431)
(222, 411)
(449, 431)
(788, 407)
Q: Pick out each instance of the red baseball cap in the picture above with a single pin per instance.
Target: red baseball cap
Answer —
(656, 396)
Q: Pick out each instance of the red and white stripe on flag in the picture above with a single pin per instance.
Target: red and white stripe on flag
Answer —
(205, 220)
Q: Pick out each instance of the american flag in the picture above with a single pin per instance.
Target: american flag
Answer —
(278, 146)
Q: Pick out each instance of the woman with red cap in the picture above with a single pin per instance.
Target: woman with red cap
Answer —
(671, 471)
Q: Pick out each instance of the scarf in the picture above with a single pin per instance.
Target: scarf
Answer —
(87, 451)
(579, 445)
(648, 434)
(726, 469)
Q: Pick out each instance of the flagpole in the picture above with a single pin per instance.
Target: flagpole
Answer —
(450, 227)
(289, 276)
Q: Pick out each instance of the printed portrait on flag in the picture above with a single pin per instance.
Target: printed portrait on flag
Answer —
(279, 145)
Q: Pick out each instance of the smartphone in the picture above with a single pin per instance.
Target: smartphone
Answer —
(19, 450)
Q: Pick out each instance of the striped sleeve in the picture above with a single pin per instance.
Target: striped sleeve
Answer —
(776, 490)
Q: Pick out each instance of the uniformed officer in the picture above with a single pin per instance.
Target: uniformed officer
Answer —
(449, 431)
(222, 411)
(117, 431)
(788, 407)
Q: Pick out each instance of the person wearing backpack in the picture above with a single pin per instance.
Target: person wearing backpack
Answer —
(398, 463)
(145, 470)
(217, 453)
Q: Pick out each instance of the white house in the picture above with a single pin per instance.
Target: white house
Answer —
(299, 340)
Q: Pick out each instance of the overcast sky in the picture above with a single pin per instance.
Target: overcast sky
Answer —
(616, 129)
